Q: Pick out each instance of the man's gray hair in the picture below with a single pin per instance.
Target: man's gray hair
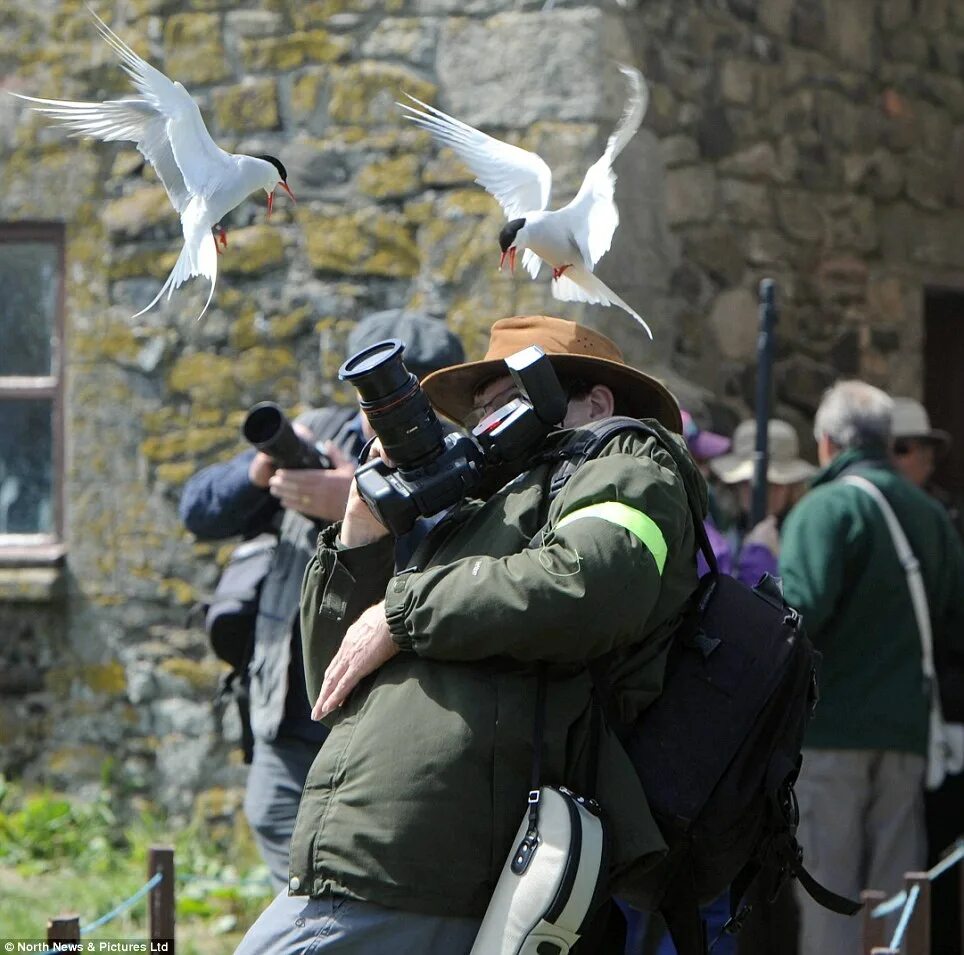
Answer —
(854, 414)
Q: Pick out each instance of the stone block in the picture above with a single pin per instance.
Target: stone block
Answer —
(738, 82)
(879, 173)
(194, 51)
(364, 94)
(293, 50)
(249, 106)
(851, 33)
(253, 251)
(928, 181)
(842, 280)
(800, 216)
(254, 23)
(690, 195)
(136, 213)
(733, 320)
(758, 161)
(411, 40)
(679, 151)
(365, 242)
(747, 203)
(390, 178)
(482, 89)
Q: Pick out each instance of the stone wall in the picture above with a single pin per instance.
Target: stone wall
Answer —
(817, 142)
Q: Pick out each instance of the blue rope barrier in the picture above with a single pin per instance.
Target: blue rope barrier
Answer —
(890, 906)
(123, 906)
(912, 897)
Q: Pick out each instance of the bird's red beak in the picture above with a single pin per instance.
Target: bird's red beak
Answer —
(510, 255)
(270, 203)
(287, 189)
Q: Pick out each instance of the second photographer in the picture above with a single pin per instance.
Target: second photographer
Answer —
(251, 495)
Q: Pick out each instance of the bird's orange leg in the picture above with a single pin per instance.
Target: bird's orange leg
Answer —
(557, 273)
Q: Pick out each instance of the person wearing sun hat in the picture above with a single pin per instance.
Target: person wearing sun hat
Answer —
(427, 675)
(787, 474)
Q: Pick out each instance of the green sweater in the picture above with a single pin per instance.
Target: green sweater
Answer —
(840, 570)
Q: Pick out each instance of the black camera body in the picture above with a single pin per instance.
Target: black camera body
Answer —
(434, 470)
(269, 430)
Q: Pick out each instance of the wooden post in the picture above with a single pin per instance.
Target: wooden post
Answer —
(872, 930)
(918, 937)
(64, 928)
(161, 897)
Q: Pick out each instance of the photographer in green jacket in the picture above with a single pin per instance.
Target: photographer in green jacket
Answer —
(427, 677)
(861, 786)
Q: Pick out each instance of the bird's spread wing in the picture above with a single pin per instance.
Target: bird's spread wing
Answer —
(578, 284)
(198, 257)
(163, 121)
(592, 215)
(130, 120)
(520, 180)
(198, 157)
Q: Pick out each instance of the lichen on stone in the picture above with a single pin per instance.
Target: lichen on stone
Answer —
(250, 106)
(294, 50)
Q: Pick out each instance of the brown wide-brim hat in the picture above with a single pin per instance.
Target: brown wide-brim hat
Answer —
(575, 352)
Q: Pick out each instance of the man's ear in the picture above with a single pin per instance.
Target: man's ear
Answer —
(601, 403)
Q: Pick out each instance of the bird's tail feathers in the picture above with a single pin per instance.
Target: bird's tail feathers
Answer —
(203, 262)
(633, 113)
(578, 284)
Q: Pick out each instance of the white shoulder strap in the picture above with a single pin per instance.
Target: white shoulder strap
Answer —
(915, 580)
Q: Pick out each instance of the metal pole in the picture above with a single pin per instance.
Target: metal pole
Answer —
(919, 929)
(764, 375)
(161, 898)
(63, 928)
(872, 930)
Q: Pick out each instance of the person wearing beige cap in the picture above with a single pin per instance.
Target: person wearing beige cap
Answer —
(916, 450)
(787, 474)
(427, 674)
(916, 447)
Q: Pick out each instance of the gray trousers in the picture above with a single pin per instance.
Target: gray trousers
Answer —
(275, 783)
(861, 827)
(336, 924)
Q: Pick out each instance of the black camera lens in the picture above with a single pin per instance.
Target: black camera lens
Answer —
(395, 405)
(377, 371)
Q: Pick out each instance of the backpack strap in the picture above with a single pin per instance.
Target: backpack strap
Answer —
(589, 440)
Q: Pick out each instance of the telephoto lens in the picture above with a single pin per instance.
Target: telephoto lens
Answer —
(267, 428)
(395, 405)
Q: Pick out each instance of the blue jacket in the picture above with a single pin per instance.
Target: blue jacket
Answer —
(220, 501)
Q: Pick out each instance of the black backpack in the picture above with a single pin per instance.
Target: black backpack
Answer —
(718, 752)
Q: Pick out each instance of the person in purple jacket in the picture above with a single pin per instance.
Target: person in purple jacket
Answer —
(704, 446)
(787, 477)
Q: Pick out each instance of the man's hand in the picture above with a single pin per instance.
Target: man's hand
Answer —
(367, 644)
(360, 525)
(316, 492)
(260, 470)
(766, 534)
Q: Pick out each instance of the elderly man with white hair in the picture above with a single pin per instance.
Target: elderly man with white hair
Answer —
(861, 786)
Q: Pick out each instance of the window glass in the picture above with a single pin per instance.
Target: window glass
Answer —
(26, 466)
(29, 280)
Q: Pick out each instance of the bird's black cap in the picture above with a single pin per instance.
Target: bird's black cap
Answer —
(508, 233)
(278, 164)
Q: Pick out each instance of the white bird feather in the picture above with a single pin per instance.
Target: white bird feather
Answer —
(572, 239)
(203, 182)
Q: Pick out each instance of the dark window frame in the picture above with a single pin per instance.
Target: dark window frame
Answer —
(27, 549)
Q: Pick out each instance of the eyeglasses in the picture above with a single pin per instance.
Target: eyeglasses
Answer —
(479, 411)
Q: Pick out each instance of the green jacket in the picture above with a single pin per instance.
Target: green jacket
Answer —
(841, 571)
(416, 796)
